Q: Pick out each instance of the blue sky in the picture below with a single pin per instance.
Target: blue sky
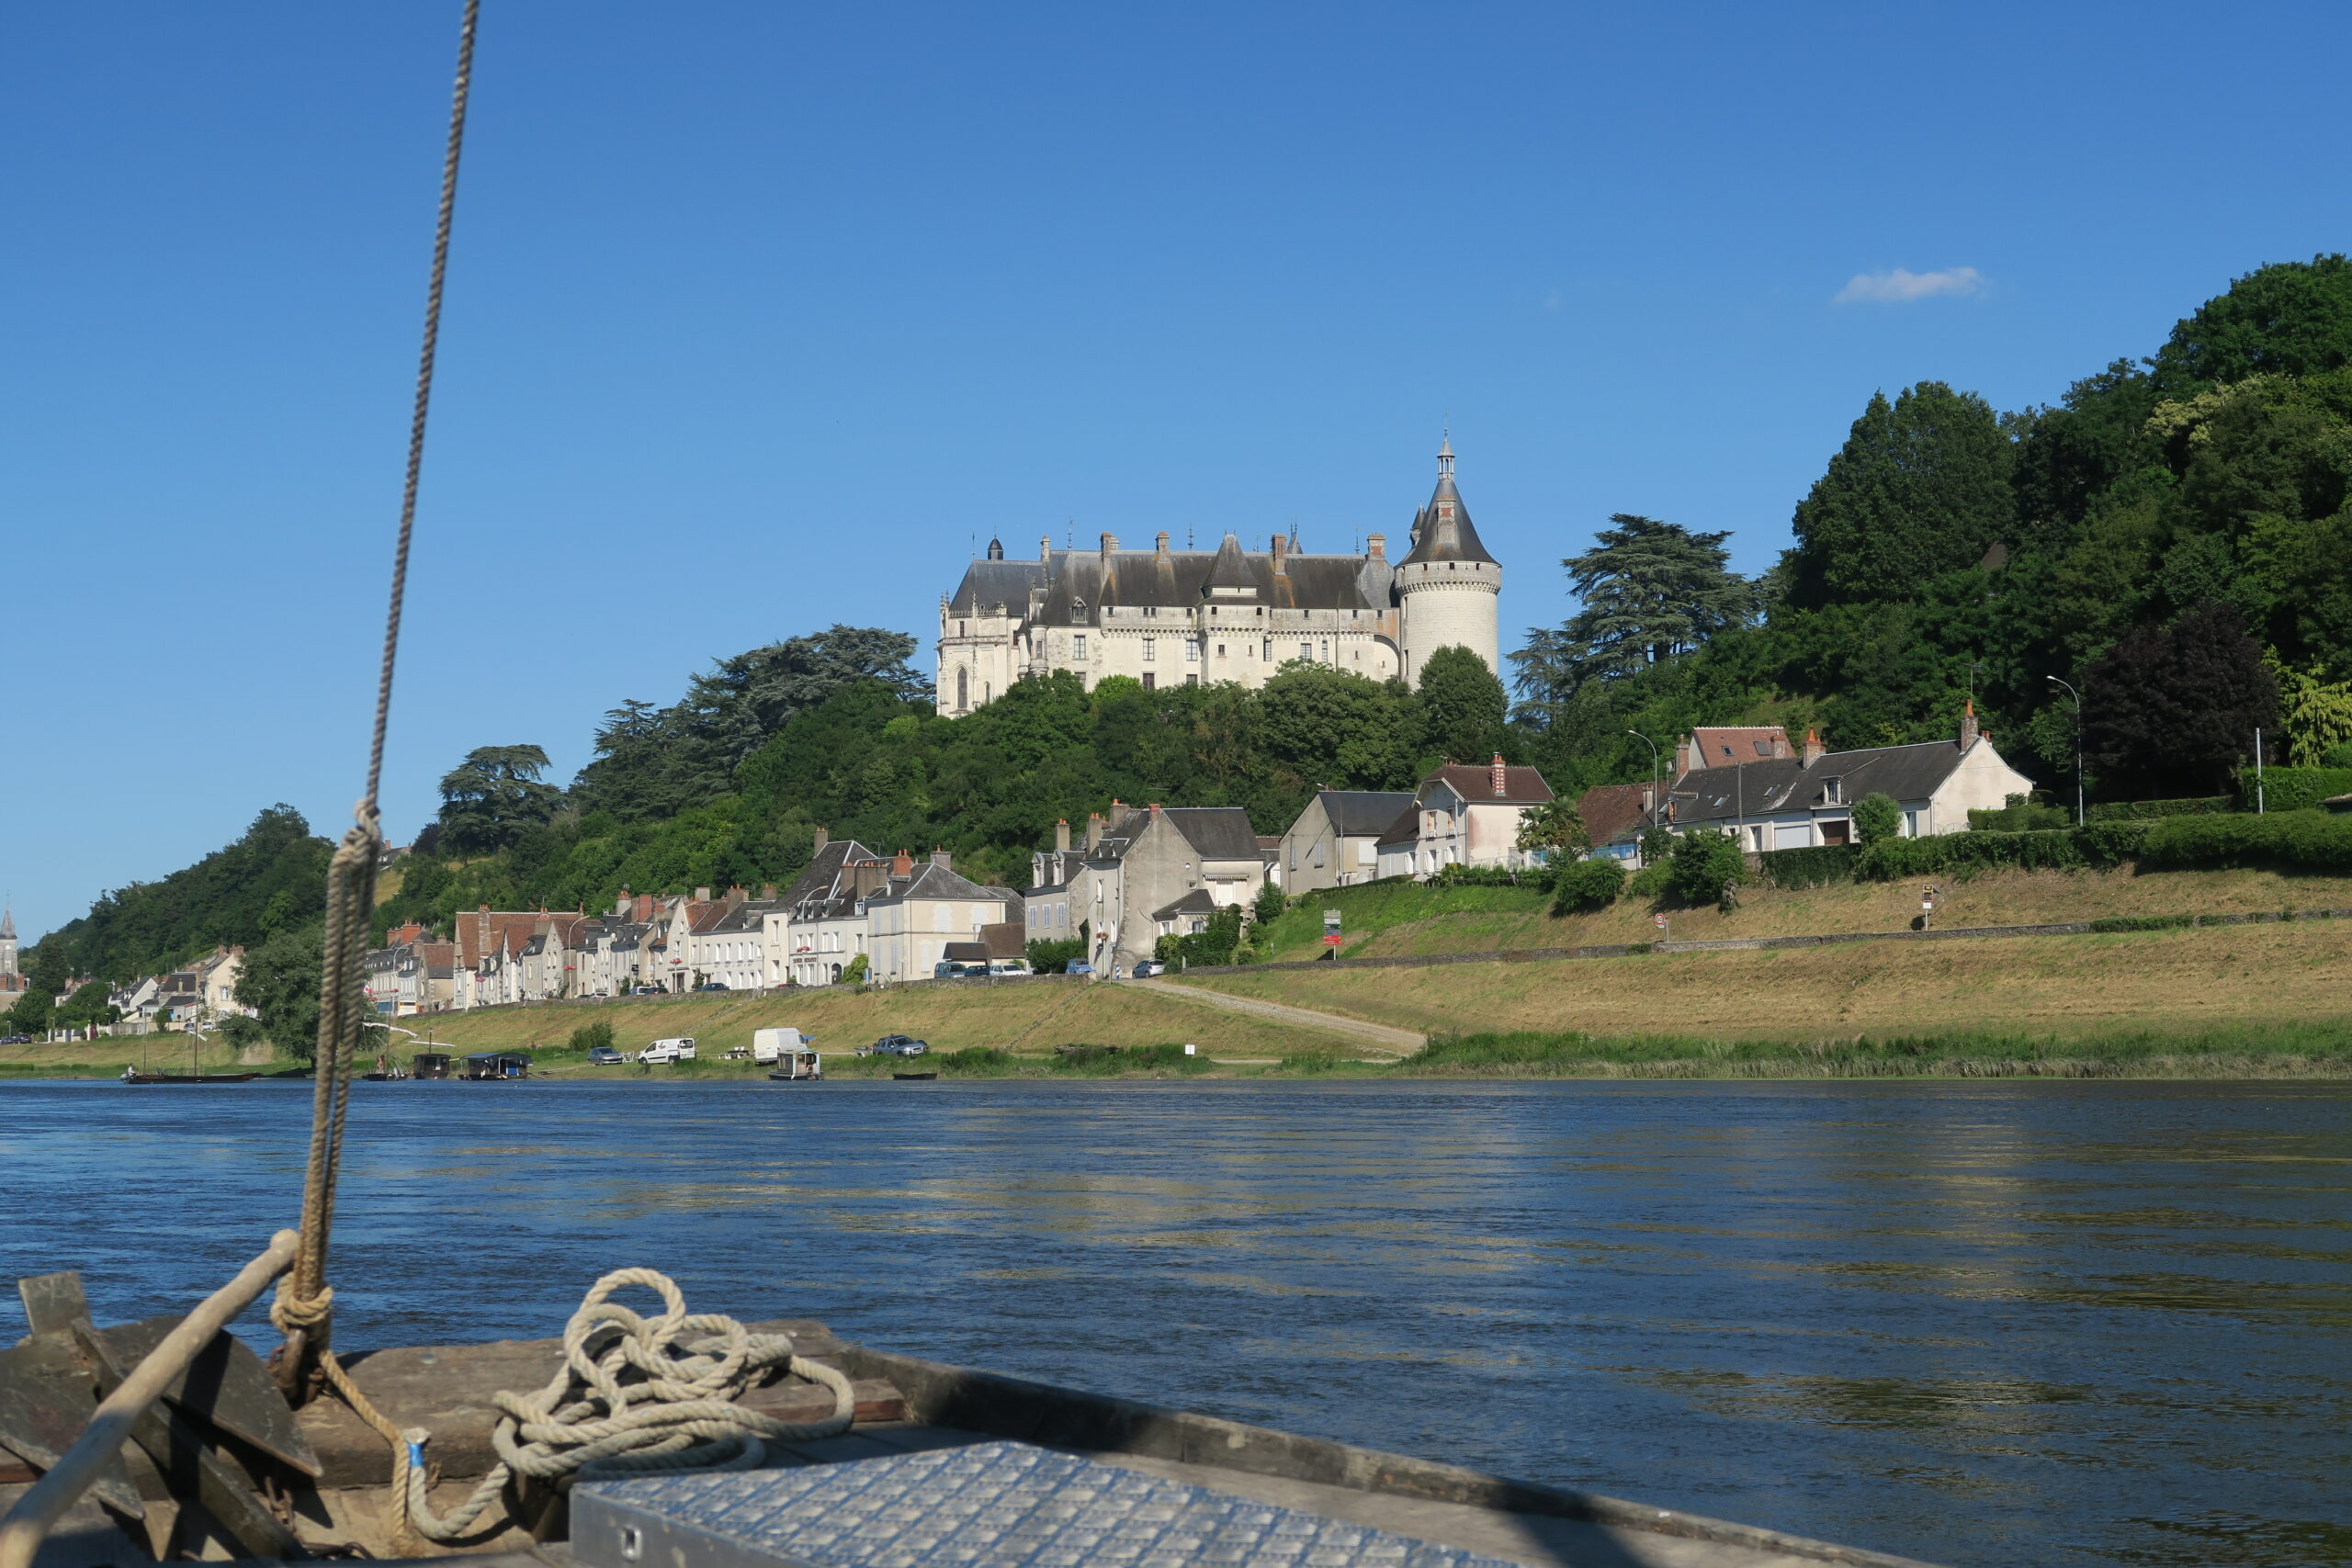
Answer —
(760, 315)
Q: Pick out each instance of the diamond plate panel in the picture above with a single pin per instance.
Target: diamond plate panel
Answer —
(992, 1506)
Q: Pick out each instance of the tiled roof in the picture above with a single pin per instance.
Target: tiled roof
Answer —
(1611, 811)
(1521, 787)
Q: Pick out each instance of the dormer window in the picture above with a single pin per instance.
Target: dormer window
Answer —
(1833, 792)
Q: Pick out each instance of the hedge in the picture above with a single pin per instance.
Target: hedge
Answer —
(1818, 866)
(1584, 885)
(1538, 877)
(2152, 810)
(2293, 789)
(2299, 840)
(1964, 854)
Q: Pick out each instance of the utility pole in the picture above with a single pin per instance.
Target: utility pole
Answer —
(1646, 740)
(2078, 746)
(2258, 810)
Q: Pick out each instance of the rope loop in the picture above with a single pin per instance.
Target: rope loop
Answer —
(635, 1395)
(289, 1313)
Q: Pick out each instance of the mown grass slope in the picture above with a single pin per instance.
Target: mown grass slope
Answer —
(1386, 918)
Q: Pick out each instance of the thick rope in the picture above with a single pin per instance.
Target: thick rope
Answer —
(304, 1305)
(635, 1395)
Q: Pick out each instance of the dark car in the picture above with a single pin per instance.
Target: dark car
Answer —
(895, 1045)
(712, 985)
(648, 991)
(605, 1056)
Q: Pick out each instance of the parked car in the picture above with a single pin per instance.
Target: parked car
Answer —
(680, 1049)
(956, 969)
(895, 1045)
(1078, 968)
(605, 1056)
(646, 991)
(1149, 967)
(712, 985)
(1010, 966)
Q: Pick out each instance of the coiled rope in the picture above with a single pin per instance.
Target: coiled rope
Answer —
(304, 1306)
(635, 1395)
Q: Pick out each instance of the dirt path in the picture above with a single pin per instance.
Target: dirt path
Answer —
(1381, 1036)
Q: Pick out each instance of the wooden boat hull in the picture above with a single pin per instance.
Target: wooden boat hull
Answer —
(914, 1077)
(187, 1077)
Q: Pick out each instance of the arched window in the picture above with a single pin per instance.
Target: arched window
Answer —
(963, 688)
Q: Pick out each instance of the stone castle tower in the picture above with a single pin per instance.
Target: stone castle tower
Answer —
(1448, 586)
(9, 973)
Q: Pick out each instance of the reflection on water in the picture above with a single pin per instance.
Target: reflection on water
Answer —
(1982, 1324)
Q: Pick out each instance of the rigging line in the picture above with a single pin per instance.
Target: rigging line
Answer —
(424, 395)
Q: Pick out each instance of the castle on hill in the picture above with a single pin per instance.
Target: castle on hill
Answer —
(1182, 618)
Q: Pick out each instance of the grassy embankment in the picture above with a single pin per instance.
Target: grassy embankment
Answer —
(2269, 1001)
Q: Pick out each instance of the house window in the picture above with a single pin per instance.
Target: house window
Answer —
(1220, 651)
(1833, 792)
(963, 688)
(1150, 681)
(1192, 650)
(1911, 824)
(1192, 680)
(1151, 648)
(1078, 645)
(1306, 651)
(1269, 654)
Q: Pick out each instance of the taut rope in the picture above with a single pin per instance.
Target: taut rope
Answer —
(305, 1303)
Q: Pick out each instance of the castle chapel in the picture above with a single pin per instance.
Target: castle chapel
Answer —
(1182, 618)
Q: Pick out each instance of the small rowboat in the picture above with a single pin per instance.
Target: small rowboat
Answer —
(914, 1077)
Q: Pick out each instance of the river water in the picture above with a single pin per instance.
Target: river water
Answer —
(2009, 1323)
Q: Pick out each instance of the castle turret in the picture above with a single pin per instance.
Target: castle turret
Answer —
(7, 948)
(1448, 585)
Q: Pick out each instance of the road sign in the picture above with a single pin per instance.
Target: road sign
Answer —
(1658, 921)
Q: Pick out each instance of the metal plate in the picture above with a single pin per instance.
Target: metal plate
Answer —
(991, 1506)
(45, 1400)
(227, 1385)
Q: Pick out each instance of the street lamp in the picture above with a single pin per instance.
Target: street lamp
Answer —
(2078, 745)
(1654, 766)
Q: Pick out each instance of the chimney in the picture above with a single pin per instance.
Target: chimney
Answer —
(1968, 731)
(1812, 747)
(1281, 546)
(1061, 836)
(1094, 830)
(767, 892)
(1500, 775)
(942, 859)
(1155, 808)
(620, 905)
(1682, 750)
(1110, 543)
(904, 865)
(1377, 547)
(702, 895)
(1044, 547)
(822, 841)
(1779, 743)
(1159, 544)
(735, 894)
(643, 913)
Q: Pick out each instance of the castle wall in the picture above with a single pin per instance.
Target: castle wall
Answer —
(1450, 609)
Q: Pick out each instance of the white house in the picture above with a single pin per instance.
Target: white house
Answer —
(923, 907)
(1464, 816)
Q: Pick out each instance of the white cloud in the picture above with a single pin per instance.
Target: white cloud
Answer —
(1900, 287)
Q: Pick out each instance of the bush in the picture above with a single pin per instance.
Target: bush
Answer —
(1964, 854)
(1649, 882)
(1055, 957)
(2145, 922)
(1876, 817)
(2111, 844)
(1270, 903)
(2293, 789)
(2153, 810)
(1539, 877)
(2021, 815)
(2294, 840)
(855, 971)
(589, 1036)
(2337, 756)
(1816, 867)
(1703, 866)
(1584, 885)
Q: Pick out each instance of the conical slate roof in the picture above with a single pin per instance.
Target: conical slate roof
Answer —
(8, 925)
(1443, 531)
(1231, 569)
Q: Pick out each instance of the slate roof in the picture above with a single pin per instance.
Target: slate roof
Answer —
(1197, 902)
(1215, 832)
(1354, 812)
(1078, 587)
(1405, 830)
(989, 584)
(824, 871)
(931, 881)
(1786, 783)
(1442, 530)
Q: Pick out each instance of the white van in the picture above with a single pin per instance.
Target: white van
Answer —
(680, 1049)
(768, 1045)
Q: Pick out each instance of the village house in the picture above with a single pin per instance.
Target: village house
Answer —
(1336, 841)
(1464, 816)
(819, 926)
(1144, 873)
(1807, 799)
(922, 909)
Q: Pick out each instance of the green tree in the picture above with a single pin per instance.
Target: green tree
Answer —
(86, 1006)
(1584, 885)
(1703, 866)
(2287, 319)
(2170, 710)
(279, 980)
(1555, 828)
(1877, 816)
(1337, 730)
(594, 1034)
(1921, 488)
(1649, 591)
(1270, 903)
(1463, 706)
(489, 800)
